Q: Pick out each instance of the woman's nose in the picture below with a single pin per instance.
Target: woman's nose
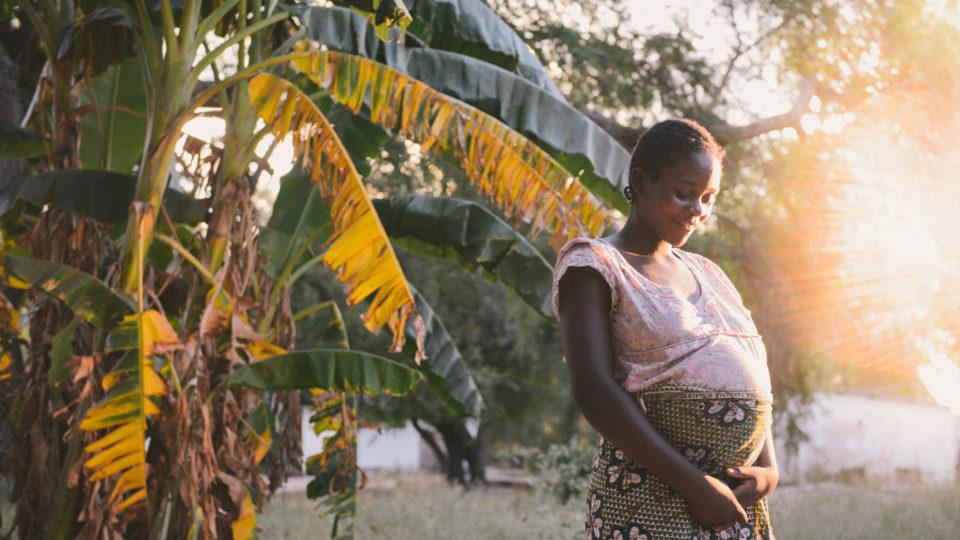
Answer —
(697, 208)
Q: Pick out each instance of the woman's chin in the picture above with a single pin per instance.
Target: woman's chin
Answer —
(679, 241)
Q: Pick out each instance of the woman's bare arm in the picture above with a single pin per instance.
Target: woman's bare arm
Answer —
(584, 305)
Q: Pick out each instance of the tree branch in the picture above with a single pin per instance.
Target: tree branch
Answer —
(725, 133)
(741, 50)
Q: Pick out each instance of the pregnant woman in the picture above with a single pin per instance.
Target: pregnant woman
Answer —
(665, 361)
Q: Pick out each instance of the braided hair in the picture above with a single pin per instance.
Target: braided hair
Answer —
(669, 141)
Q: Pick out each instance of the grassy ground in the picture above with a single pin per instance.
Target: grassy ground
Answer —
(408, 506)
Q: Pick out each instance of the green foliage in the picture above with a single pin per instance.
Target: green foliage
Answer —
(299, 221)
(60, 354)
(114, 130)
(445, 369)
(87, 296)
(102, 38)
(328, 369)
(470, 235)
(606, 63)
(100, 195)
(17, 142)
(562, 470)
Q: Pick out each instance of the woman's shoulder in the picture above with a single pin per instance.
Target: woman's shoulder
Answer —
(586, 252)
(581, 243)
(584, 249)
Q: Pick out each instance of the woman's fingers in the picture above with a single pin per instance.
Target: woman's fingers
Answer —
(741, 472)
(742, 515)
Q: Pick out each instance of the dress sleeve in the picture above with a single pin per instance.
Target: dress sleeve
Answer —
(583, 252)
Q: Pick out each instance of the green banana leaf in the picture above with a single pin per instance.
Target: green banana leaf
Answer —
(19, 143)
(467, 27)
(100, 195)
(445, 370)
(60, 354)
(102, 37)
(470, 235)
(113, 134)
(87, 296)
(328, 369)
(471, 28)
(362, 138)
(575, 141)
(298, 212)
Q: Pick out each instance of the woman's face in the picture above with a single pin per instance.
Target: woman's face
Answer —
(680, 198)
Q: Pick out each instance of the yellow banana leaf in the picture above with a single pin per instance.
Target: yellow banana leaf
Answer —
(131, 385)
(359, 250)
(513, 172)
(5, 362)
(243, 527)
(121, 453)
(264, 349)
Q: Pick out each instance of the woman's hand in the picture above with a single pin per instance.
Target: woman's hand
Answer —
(715, 506)
(752, 483)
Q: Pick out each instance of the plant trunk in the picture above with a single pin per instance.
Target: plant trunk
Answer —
(461, 446)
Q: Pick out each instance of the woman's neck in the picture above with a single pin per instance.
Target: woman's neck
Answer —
(637, 239)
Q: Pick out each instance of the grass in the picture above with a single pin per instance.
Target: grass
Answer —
(419, 506)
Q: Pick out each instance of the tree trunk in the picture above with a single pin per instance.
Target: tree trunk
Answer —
(461, 446)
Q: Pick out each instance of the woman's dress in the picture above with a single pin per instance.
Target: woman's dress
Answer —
(698, 370)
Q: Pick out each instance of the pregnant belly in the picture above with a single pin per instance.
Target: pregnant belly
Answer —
(714, 432)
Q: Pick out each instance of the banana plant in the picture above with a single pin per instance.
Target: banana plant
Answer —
(173, 369)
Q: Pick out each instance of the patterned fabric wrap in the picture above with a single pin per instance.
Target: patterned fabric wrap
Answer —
(714, 430)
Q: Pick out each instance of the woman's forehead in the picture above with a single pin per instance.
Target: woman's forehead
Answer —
(696, 170)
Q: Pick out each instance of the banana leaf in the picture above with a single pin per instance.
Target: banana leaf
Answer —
(328, 369)
(100, 195)
(103, 37)
(19, 143)
(384, 14)
(471, 28)
(445, 370)
(470, 235)
(569, 136)
(87, 296)
(467, 27)
(298, 212)
(113, 133)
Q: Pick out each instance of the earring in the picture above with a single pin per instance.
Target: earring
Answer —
(628, 193)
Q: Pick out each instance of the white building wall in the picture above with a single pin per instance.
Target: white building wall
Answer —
(392, 448)
(885, 440)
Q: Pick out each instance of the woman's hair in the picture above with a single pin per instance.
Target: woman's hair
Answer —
(670, 140)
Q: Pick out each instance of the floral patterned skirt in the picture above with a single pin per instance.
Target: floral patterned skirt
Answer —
(714, 430)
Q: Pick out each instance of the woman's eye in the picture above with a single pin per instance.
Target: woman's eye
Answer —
(683, 195)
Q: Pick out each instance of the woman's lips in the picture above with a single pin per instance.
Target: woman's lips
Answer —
(689, 227)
